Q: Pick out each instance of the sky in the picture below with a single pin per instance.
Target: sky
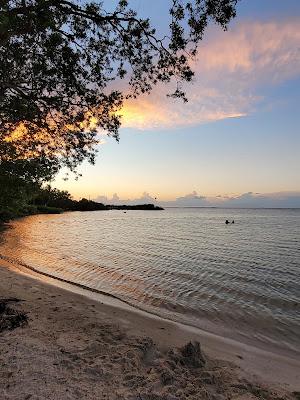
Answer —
(237, 140)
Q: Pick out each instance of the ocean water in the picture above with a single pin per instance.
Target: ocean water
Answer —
(240, 280)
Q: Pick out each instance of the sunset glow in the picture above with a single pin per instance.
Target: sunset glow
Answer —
(237, 133)
(150, 199)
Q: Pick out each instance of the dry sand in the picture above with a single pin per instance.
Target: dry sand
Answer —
(86, 346)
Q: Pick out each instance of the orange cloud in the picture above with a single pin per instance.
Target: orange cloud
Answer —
(158, 111)
(230, 69)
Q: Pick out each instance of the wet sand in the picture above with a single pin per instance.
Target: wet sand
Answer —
(79, 344)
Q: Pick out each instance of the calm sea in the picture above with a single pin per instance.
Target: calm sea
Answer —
(239, 280)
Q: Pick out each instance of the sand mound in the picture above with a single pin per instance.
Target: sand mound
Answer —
(99, 361)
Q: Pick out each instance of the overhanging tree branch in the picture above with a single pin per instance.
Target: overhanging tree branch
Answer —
(59, 62)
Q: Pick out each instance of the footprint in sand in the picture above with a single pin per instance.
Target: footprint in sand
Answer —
(72, 342)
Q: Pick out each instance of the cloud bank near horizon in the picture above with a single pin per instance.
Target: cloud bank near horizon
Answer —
(245, 200)
(231, 70)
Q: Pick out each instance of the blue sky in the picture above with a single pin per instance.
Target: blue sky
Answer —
(239, 133)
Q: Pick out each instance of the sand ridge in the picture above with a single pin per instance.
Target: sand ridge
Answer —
(75, 348)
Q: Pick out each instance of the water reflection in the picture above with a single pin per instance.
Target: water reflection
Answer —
(240, 280)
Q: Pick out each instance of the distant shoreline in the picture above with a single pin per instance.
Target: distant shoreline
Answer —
(85, 206)
(236, 208)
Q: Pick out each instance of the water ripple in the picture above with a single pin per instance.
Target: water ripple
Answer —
(183, 264)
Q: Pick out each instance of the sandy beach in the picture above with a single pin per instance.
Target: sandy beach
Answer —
(78, 344)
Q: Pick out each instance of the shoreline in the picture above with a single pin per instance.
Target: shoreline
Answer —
(111, 299)
(241, 315)
(250, 362)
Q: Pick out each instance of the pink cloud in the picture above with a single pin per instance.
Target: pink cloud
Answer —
(230, 69)
(250, 48)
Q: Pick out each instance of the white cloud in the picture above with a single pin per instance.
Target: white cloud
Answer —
(245, 200)
(145, 198)
(260, 200)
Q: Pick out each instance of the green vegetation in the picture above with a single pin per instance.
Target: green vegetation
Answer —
(18, 200)
(134, 207)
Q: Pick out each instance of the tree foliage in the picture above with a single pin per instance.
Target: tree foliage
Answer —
(59, 61)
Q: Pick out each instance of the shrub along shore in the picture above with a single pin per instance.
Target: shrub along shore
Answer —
(53, 201)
